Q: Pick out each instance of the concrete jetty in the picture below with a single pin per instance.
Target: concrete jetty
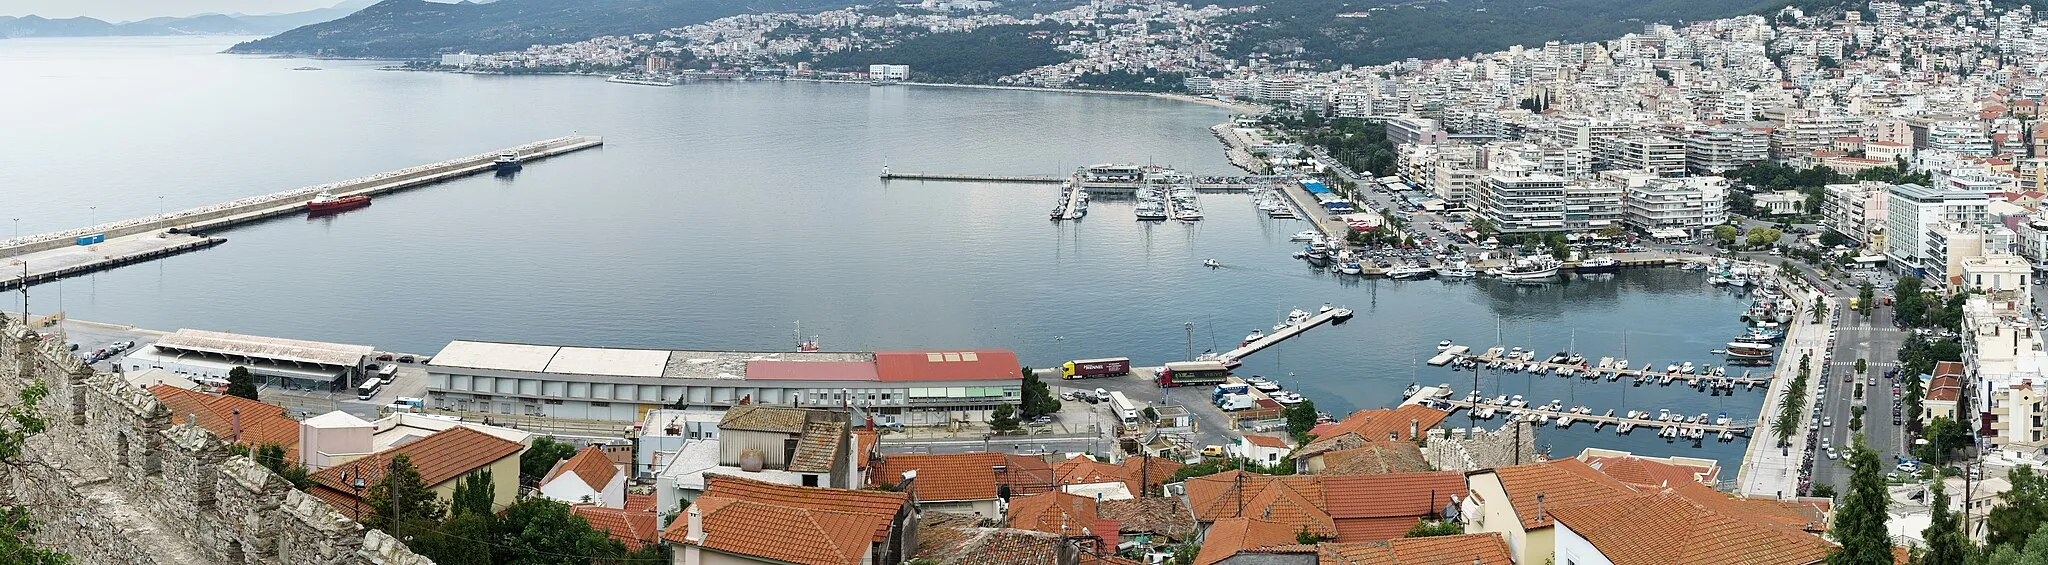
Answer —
(51, 256)
(1283, 334)
(972, 178)
(1564, 417)
(1602, 372)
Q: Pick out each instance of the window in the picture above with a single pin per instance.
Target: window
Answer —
(810, 480)
(556, 401)
(600, 405)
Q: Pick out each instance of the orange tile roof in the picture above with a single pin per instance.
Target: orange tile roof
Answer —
(439, 458)
(835, 500)
(1383, 423)
(1147, 473)
(1643, 472)
(1163, 515)
(589, 464)
(784, 533)
(1082, 469)
(1807, 515)
(260, 423)
(1562, 482)
(1375, 458)
(954, 539)
(968, 476)
(1687, 533)
(639, 502)
(1266, 441)
(635, 528)
(1230, 536)
(1945, 388)
(865, 440)
(818, 448)
(1293, 500)
(1398, 494)
(1948, 368)
(1053, 513)
(1462, 549)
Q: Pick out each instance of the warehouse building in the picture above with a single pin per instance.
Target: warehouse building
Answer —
(206, 357)
(906, 387)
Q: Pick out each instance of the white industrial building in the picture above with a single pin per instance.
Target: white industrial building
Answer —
(889, 73)
(206, 357)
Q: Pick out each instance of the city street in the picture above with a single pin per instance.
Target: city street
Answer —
(1874, 339)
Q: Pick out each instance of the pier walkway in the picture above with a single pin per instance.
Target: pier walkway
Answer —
(972, 178)
(1494, 360)
(1556, 414)
(1283, 334)
(1769, 470)
(50, 256)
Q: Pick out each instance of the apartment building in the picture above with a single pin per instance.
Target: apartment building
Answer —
(1682, 207)
(1857, 211)
(1518, 201)
(1658, 154)
(1913, 212)
(1714, 151)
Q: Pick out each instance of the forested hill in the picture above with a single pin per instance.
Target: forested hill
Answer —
(400, 29)
(1372, 32)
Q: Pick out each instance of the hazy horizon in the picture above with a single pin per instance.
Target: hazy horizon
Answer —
(131, 10)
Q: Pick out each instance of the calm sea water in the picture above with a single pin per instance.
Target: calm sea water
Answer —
(719, 214)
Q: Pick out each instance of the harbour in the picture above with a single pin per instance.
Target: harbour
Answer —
(51, 256)
(1669, 425)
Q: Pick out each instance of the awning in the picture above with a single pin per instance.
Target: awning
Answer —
(1669, 233)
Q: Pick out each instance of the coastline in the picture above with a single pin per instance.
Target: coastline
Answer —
(1242, 108)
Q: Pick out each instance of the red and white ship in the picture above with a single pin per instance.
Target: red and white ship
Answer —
(327, 202)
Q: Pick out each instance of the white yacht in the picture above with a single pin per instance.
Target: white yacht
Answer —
(1305, 235)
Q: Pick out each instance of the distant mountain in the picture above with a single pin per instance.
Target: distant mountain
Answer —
(408, 29)
(204, 24)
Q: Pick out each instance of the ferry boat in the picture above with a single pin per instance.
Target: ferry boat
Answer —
(1599, 265)
(1530, 269)
(507, 161)
(1749, 350)
(327, 202)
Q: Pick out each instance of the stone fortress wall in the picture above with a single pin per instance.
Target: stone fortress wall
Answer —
(113, 481)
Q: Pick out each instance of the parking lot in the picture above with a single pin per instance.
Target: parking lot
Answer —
(1212, 426)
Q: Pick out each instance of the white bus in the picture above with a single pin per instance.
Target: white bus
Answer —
(1125, 409)
(369, 388)
(388, 373)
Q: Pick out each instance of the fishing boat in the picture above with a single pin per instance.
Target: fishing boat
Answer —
(328, 202)
(1598, 265)
(1530, 269)
(1410, 272)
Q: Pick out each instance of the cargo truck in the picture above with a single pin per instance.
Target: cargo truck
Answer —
(1085, 368)
(1235, 402)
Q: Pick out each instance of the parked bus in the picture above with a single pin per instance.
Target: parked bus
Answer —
(369, 388)
(1193, 373)
(389, 373)
(1125, 409)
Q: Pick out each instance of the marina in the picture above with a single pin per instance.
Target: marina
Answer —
(52, 256)
(1294, 325)
(1670, 425)
(1607, 369)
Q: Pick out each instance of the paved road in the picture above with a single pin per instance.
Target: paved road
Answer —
(1874, 339)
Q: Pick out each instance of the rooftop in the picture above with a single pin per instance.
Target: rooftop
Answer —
(985, 364)
(232, 417)
(1694, 534)
(272, 348)
(967, 476)
(590, 466)
(1461, 549)
(1561, 482)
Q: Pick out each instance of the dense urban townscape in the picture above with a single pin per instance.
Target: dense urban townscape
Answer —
(1865, 180)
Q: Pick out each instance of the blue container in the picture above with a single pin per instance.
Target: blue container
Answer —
(92, 239)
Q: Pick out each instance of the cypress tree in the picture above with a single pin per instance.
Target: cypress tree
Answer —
(1860, 520)
(1944, 535)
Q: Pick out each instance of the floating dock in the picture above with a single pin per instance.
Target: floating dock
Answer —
(52, 256)
(1494, 359)
(1446, 356)
(1283, 334)
(1564, 418)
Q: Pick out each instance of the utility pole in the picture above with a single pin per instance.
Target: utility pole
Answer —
(392, 479)
(1191, 340)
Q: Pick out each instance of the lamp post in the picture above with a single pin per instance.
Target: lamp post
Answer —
(357, 484)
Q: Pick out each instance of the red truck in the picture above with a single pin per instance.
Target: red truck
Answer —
(1084, 368)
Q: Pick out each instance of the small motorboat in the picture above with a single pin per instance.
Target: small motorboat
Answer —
(1254, 336)
(1411, 390)
(1211, 263)
(1326, 307)
(1443, 345)
(1352, 269)
(1305, 235)
(1340, 314)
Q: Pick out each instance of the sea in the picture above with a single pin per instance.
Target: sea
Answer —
(742, 215)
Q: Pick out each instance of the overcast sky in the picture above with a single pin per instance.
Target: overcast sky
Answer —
(129, 10)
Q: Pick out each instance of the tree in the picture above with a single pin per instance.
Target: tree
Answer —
(1820, 311)
(1862, 366)
(1613, 231)
(2030, 550)
(474, 495)
(535, 463)
(1908, 302)
(1860, 519)
(17, 527)
(1559, 249)
(1300, 419)
(1822, 490)
(241, 384)
(1726, 233)
(271, 456)
(1762, 236)
(1944, 437)
(1866, 299)
(1944, 533)
(2025, 509)
(1003, 418)
(538, 531)
(401, 494)
(1431, 528)
(461, 540)
(1038, 397)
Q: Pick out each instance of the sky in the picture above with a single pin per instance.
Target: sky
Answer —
(130, 10)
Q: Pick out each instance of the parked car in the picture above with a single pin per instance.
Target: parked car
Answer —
(405, 358)
(384, 357)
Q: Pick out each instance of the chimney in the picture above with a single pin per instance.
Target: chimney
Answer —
(1539, 507)
(1414, 428)
(696, 533)
(235, 424)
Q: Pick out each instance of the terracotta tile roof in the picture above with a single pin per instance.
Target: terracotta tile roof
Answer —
(1400, 494)
(951, 539)
(1562, 482)
(785, 533)
(1375, 458)
(818, 448)
(439, 458)
(1231, 536)
(1161, 515)
(1948, 368)
(837, 501)
(590, 466)
(639, 502)
(1463, 549)
(1810, 515)
(1294, 500)
(1384, 423)
(260, 423)
(1645, 472)
(1147, 473)
(1944, 388)
(1688, 533)
(1266, 441)
(344, 502)
(635, 528)
(968, 476)
(866, 440)
(764, 419)
(1053, 512)
(1082, 469)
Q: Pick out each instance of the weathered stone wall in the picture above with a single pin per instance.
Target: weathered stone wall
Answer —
(113, 481)
(1449, 450)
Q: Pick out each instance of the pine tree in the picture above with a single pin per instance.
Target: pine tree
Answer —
(2025, 505)
(1860, 520)
(402, 493)
(241, 384)
(1944, 534)
(474, 495)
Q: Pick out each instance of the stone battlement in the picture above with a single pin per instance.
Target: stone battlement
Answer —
(114, 481)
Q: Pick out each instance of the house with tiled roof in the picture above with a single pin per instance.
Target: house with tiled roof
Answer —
(1084, 474)
(589, 477)
(1516, 501)
(1227, 539)
(236, 419)
(1295, 501)
(1461, 549)
(1942, 392)
(1404, 423)
(1367, 458)
(1064, 514)
(1618, 532)
(965, 539)
(1651, 472)
(966, 483)
(1151, 521)
(442, 460)
(1266, 450)
(740, 521)
(1367, 508)
(635, 527)
(793, 446)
